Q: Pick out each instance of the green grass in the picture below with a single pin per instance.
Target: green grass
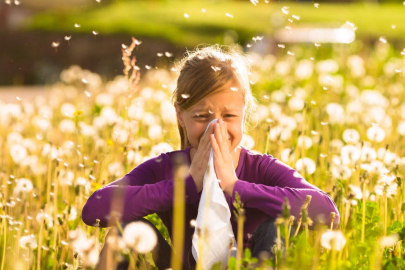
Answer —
(166, 19)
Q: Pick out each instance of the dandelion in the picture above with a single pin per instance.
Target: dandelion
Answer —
(308, 163)
(140, 236)
(389, 241)
(28, 242)
(155, 132)
(333, 240)
(304, 141)
(376, 134)
(23, 185)
(358, 194)
(351, 136)
(18, 153)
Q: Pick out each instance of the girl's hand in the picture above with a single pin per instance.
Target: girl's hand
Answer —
(223, 161)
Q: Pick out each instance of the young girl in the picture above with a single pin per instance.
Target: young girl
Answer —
(213, 84)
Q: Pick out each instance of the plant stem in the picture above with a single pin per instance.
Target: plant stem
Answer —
(241, 220)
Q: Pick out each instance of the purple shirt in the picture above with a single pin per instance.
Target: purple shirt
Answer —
(263, 183)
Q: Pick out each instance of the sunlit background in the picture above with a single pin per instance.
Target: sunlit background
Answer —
(328, 76)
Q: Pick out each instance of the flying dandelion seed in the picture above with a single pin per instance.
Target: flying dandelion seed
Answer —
(393, 26)
(311, 58)
(317, 45)
(281, 46)
(296, 17)
(229, 15)
(316, 5)
(249, 45)
(55, 44)
(124, 46)
(234, 88)
(168, 54)
(285, 10)
(159, 54)
(398, 70)
(203, 10)
(98, 1)
(254, 2)
(87, 94)
(323, 155)
(18, 98)
(325, 88)
(16, 2)
(186, 15)
(95, 33)
(383, 40)
(8, 2)
(77, 25)
(211, 112)
(147, 67)
(185, 96)
(84, 80)
(288, 27)
(138, 42)
(266, 1)
(290, 20)
(290, 53)
(324, 123)
(215, 68)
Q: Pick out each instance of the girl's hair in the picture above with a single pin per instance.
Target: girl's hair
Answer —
(204, 72)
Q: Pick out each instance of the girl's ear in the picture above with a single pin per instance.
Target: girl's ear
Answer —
(179, 114)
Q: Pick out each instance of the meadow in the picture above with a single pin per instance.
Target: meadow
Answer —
(337, 118)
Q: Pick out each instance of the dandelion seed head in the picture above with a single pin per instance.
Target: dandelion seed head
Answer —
(333, 239)
(140, 237)
(389, 241)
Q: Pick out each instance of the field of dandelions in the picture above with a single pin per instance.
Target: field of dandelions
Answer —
(338, 120)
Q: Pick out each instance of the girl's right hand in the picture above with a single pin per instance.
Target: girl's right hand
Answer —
(200, 160)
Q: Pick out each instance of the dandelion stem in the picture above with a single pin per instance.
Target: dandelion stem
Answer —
(40, 244)
(385, 214)
(3, 260)
(241, 220)
(363, 222)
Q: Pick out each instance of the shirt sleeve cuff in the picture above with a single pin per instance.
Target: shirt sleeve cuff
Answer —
(191, 190)
(239, 187)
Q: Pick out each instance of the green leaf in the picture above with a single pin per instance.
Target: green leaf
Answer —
(232, 263)
(248, 254)
(217, 266)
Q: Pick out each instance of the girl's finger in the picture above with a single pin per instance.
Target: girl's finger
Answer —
(214, 144)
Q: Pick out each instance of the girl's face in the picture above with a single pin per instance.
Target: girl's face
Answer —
(226, 104)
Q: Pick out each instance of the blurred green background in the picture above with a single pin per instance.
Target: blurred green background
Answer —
(28, 28)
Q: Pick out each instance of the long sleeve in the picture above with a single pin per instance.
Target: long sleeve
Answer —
(278, 181)
(139, 194)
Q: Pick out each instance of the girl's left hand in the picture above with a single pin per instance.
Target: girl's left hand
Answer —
(223, 161)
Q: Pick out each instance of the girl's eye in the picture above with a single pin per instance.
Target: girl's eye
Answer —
(204, 115)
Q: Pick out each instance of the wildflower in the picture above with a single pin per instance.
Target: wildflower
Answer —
(357, 191)
(162, 147)
(309, 164)
(44, 216)
(336, 113)
(333, 239)
(296, 104)
(23, 185)
(247, 141)
(389, 241)
(155, 132)
(386, 185)
(28, 242)
(67, 126)
(140, 236)
(304, 141)
(351, 136)
(376, 134)
(18, 153)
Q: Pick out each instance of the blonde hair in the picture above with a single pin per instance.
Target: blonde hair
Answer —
(198, 79)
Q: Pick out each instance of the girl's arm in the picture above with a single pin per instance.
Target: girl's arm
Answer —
(139, 193)
(279, 181)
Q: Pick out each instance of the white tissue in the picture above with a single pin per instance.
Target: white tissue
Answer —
(214, 211)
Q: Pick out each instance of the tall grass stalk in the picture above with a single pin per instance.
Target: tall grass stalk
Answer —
(239, 251)
(178, 214)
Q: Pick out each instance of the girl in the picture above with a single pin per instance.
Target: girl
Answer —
(213, 84)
